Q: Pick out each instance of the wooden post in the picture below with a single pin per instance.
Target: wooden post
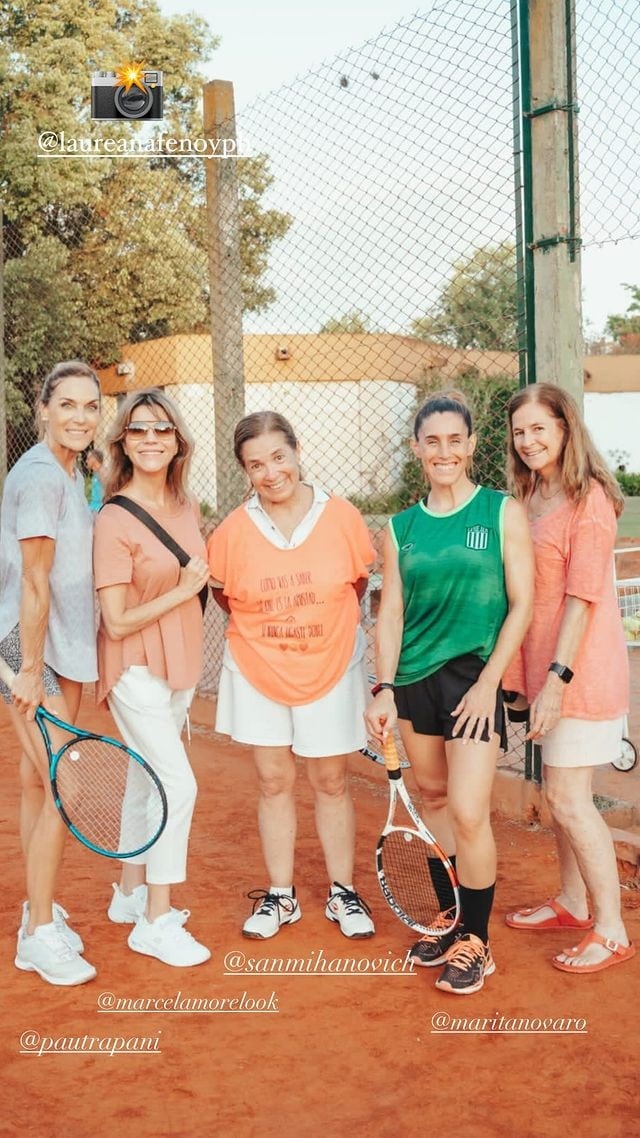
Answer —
(556, 249)
(225, 289)
(3, 389)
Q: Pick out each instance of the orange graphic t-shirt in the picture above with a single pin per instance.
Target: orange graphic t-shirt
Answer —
(294, 612)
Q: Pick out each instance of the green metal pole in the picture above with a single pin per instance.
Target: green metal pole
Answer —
(571, 98)
(527, 164)
(517, 193)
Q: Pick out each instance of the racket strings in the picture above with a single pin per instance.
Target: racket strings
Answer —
(417, 879)
(109, 798)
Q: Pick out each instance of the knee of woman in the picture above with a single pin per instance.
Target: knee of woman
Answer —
(433, 795)
(332, 786)
(467, 823)
(271, 786)
(563, 805)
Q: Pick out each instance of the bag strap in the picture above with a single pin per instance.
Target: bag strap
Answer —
(160, 532)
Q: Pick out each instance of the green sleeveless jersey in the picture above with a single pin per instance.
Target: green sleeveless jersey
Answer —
(451, 565)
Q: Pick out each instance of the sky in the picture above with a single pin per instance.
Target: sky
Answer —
(265, 46)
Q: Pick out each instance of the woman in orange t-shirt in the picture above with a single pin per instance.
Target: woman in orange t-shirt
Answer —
(573, 666)
(291, 565)
(150, 651)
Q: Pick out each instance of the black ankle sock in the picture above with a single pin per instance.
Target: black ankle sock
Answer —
(476, 907)
(441, 882)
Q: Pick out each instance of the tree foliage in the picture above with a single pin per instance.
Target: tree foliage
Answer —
(353, 321)
(626, 329)
(478, 306)
(100, 251)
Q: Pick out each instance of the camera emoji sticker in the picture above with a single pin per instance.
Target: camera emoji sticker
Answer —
(133, 92)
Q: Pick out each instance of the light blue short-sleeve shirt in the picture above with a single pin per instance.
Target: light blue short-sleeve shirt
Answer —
(41, 500)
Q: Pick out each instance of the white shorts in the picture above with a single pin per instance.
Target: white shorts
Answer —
(583, 742)
(332, 725)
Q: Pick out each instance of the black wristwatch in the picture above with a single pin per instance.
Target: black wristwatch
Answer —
(380, 687)
(565, 673)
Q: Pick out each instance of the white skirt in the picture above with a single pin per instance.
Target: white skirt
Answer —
(583, 742)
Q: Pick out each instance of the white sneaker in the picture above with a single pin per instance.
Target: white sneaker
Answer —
(276, 909)
(47, 952)
(60, 917)
(350, 911)
(168, 940)
(125, 909)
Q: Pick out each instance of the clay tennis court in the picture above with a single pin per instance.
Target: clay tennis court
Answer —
(365, 1046)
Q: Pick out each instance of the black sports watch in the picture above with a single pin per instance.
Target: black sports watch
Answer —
(565, 673)
(380, 687)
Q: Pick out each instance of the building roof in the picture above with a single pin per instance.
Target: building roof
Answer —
(334, 358)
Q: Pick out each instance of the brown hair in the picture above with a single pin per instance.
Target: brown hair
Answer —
(440, 402)
(65, 370)
(580, 461)
(260, 423)
(120, 467)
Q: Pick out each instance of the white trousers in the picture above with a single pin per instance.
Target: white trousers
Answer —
(150, 718)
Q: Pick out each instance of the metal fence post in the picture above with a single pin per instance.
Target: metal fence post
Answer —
(556, 241)
(225, 289)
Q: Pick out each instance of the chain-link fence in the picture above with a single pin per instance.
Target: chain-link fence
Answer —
(375, 232)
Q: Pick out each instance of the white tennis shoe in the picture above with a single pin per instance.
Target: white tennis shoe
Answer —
(348, 909)
(270, 911)
(60, 918)
(47, 952)
(167, 939)
(124, 908)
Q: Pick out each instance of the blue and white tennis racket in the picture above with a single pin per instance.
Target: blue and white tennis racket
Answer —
(107, 795)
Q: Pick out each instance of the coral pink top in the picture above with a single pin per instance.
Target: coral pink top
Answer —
(294, 612)
(574, 557)
(125, 552)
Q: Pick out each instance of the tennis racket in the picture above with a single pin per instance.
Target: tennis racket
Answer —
(107, 795)
(416, 877)
(376, 757)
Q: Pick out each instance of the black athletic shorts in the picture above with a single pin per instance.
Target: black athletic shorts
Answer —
(428, 703)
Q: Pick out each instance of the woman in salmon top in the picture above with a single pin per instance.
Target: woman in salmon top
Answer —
(150, 651)
(292, 564)
(573, 667)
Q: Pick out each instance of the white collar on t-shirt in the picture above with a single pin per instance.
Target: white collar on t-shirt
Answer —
(268, 528)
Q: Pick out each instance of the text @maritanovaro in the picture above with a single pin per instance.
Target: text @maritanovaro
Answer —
(443, 1023)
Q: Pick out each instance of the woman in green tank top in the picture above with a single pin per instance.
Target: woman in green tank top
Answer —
(456, 601)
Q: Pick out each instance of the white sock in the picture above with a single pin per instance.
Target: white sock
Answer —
(281, 890)
(338, 889)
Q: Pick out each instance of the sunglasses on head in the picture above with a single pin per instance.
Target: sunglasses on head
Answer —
(157, 427)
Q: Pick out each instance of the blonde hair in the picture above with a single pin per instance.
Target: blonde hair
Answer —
(580, 461)
(120, 467)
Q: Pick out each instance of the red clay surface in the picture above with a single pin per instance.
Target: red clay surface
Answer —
(336, 1054)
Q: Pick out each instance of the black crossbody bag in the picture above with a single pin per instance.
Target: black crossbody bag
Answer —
(179, 553)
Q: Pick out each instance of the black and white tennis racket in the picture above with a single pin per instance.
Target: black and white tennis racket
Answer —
(416, 877)
(108, 796)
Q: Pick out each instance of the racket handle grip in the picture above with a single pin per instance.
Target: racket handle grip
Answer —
(390, 752)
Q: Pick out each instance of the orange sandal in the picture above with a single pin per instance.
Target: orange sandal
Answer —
(563, 919)
(619, 953)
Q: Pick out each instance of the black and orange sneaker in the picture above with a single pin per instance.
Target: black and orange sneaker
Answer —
(469, 960)
(433, 948)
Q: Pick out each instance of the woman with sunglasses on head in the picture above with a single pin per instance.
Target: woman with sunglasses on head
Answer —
(291, 565)
(47, 636)
(456, 601)
(573, 666)
(150, 651)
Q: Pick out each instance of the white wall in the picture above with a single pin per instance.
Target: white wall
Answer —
(614, 422)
